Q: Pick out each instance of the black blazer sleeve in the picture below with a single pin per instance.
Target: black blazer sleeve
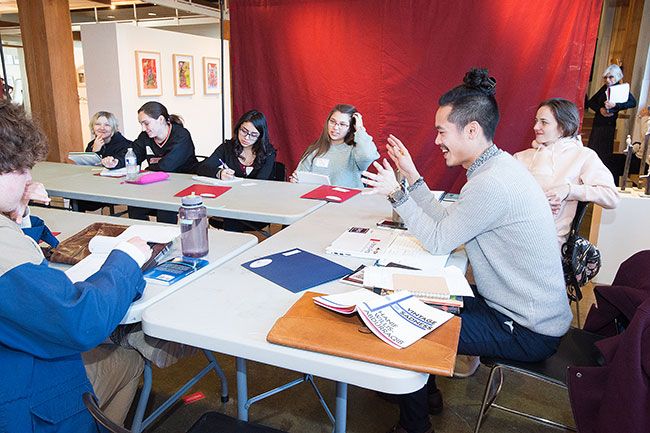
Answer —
(210, 166)
(140, 147)
(117, 148)
(596, 102)
(89, 148)
(266, 170)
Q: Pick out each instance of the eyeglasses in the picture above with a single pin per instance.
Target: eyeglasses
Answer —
(610, 77)
(333, 123)
(247, 134)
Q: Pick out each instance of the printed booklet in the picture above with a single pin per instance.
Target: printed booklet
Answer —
(399, 319)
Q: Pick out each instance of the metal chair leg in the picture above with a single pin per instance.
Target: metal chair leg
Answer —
(485, 404)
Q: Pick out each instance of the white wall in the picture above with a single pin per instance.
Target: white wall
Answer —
(111, 83)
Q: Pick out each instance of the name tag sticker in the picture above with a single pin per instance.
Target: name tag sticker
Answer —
(322, 162)
(149, 150)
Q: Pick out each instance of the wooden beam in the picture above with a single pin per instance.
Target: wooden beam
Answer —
(49, 61)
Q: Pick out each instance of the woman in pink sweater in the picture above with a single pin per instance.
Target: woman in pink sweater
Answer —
(567, 171)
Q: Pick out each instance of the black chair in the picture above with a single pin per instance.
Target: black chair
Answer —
(279, 172)
(209, 421)
(576, 349)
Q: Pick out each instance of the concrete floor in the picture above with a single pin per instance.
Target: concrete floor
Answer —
(298, 410)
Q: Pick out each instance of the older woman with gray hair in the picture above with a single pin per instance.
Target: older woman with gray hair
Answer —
(107, 141)
(601, 139)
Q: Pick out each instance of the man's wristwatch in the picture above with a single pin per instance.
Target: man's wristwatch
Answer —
(397, 195)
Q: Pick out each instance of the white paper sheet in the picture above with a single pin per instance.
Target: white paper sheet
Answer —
(382, 277)
(619, 93)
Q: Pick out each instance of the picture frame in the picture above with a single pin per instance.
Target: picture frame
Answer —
(183, 74)
(211, 77)
(148, 71)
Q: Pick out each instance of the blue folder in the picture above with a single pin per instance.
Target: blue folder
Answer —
(296, 269)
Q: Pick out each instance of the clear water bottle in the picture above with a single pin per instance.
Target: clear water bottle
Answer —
(132, 167)
(193, 218)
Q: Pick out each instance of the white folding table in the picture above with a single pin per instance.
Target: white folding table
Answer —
(250, 199)
(231, 310)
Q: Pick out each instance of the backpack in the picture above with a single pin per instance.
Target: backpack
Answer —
(580, 260)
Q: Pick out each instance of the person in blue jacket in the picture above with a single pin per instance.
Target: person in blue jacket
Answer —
(46, 321)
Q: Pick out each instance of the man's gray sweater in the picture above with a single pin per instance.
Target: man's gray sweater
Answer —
(504, 220)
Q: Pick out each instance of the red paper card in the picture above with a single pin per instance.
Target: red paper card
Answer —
(335, 194)
(205, 191)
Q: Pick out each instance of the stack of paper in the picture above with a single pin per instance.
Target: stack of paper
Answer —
(441, 284)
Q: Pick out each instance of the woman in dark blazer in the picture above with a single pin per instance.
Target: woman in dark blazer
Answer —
(107, 141)
(249, 154)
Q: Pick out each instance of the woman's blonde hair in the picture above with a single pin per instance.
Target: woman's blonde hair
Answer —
(110, 117)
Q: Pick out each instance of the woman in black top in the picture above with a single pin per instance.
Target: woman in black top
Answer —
(107, 141)
(164, 143)
(166, 146)
(249, 154)
(601, 139)
(109, 144)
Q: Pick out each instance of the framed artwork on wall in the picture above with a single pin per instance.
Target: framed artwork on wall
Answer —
(183, 74)
(211, 81)
(147, 68)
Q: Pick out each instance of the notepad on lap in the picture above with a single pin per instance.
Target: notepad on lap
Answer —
(315, 178)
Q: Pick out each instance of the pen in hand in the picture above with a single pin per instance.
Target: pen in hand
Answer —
(225, 170)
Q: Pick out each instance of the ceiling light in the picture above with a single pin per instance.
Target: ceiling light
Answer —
(113, 7)
(151, 14)
(110, 16)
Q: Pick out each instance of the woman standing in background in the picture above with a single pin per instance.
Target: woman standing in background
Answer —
(601, 139)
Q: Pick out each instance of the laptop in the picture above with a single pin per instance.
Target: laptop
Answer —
(385, 245)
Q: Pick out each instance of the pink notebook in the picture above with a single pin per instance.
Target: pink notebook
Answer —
(335, 194)
(151, 177)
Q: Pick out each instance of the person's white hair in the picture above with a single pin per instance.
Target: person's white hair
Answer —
(615, 71)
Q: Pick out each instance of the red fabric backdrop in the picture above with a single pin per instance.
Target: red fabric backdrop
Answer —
(392, 59)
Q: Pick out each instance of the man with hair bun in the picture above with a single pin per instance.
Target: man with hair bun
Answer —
(502, 217)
